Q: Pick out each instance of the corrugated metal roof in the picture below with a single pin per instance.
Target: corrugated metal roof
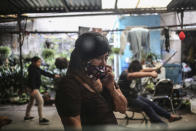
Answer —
(50, 6)
(181, 5)
(38, 6)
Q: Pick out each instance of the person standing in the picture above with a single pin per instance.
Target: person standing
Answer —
(34, 81)
(87, 95)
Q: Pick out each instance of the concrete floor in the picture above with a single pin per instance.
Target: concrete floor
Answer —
(16, 114)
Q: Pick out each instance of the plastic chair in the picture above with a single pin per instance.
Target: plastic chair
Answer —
(164, 90)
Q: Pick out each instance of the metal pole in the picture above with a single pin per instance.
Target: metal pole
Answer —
(182, 16)
(181, 25)
(116, 30)
(104, 12)
(20, 43)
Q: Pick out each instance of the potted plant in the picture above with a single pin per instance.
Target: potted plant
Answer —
(5, 52)
(115, 50)
(10, 83)
(48, 53)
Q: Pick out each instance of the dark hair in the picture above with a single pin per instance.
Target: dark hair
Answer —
(134, 66)
(91, 45)
(61, 63)
(35, 59)
(88, 46)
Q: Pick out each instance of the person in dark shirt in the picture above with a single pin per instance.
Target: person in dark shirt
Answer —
(34, 80)
(88, 95)
(130, 85)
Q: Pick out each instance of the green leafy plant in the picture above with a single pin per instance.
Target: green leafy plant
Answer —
(5, 51)
(115, 50)
(151, 55)
(48, 54)
(11, 83)
(150, 86)
(186, 104)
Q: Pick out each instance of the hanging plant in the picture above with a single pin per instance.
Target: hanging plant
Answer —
(48, 54)
(152, 56)
(5, 51)
(48, 44)
(116, 50)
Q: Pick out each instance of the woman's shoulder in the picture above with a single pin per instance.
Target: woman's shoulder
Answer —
(68, 83)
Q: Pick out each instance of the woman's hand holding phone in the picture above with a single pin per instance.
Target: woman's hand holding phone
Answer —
(108, 80)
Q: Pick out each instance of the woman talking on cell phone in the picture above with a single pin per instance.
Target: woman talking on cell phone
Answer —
(88, 95)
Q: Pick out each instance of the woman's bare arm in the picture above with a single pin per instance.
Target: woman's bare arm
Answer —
(120, 102)
(72, 123)
(151, 69)
(141, 74)
(148, 69)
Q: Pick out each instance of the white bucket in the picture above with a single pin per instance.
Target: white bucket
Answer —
(193, 105)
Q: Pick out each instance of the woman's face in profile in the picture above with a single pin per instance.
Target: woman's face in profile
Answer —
(100, 60)
(38, 63)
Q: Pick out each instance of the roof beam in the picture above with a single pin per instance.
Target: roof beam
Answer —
(104, 12)
(61, 32)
